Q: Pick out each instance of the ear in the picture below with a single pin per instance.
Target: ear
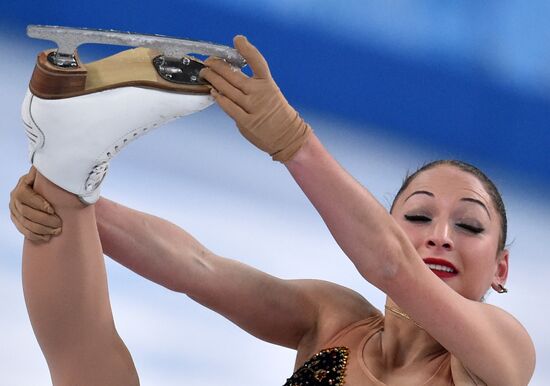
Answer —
(501, 272)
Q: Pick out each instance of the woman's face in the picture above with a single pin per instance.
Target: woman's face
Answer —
(451, 221)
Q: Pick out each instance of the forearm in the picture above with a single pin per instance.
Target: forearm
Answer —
(148, 245)
(271, 309)
(360, 225)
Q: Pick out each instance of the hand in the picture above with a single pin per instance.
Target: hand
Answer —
(31, 214)
(256, 104)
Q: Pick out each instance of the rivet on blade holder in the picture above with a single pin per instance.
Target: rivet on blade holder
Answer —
(62, 60)
(183, 71)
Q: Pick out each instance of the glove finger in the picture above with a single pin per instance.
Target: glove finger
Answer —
(222, 86)
(230, 107)
(35, 228)
(25, 232)
(30, 176)
(27, 196)
(13, 209)
(36, 216)
(231, 74)
(254, 58)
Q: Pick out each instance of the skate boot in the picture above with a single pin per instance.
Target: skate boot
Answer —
(78, 116)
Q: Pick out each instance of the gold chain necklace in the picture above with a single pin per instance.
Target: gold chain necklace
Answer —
(403, 315)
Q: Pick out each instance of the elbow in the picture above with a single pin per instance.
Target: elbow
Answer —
(189, 275)
(389, 271)
(173, 285)
(382, 270)
(394, 259)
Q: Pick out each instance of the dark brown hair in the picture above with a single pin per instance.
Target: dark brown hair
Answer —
(489, 186)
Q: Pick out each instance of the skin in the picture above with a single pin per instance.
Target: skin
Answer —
(174, 259)
(487, 340)
(65, 288)
(387, 251)
(449, 233)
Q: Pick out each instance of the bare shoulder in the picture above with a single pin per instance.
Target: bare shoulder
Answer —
(512, 347)
(338, 307)
(516, 346)
(487, 340)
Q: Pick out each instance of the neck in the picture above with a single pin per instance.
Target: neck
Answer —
(404, 341)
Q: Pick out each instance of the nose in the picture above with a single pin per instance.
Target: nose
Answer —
(439, 237)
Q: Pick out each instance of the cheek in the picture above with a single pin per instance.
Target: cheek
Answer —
(479, 256)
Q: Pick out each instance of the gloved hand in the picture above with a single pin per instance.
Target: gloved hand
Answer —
(31, 214)
(256, 104)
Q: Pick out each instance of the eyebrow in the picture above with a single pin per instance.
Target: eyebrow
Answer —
(467, 199)
(420, 192)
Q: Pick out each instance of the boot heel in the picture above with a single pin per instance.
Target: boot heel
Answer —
(49, 81)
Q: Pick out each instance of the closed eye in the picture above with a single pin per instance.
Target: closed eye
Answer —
(417, 218)
(471, 228)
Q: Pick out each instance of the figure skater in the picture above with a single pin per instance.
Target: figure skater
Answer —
(435, 254)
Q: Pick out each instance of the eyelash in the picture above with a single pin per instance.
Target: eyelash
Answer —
(425, 219)
(472, 229)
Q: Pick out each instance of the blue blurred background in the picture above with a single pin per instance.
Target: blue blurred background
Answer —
(386, 85)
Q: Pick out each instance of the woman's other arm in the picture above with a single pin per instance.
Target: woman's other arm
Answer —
(487, 340)
(284, 312)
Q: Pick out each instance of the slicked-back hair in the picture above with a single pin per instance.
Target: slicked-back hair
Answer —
(489, 186)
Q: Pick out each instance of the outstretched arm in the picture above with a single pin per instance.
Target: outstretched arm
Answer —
(65, 287)
(285, 312)
(361, 226)
(487, 340)
(359, 223)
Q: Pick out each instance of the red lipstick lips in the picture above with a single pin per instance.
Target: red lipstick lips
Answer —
(442, 268)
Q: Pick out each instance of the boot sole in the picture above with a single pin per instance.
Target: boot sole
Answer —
(132, 67)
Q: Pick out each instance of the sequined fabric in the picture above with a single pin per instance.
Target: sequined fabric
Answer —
(326, 368)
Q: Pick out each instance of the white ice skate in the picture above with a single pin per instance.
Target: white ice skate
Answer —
(77, 117)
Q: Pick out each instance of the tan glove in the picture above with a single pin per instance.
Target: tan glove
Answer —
(256, 104)
(31, 214)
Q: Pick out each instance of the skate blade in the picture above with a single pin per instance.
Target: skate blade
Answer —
(68, 40)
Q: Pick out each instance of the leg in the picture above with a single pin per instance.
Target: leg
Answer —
(72, 139)
(66, 293)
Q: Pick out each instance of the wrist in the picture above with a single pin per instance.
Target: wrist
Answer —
(290, 137)
(308, 151)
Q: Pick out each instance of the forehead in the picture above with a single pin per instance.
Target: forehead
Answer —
(447, 181)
